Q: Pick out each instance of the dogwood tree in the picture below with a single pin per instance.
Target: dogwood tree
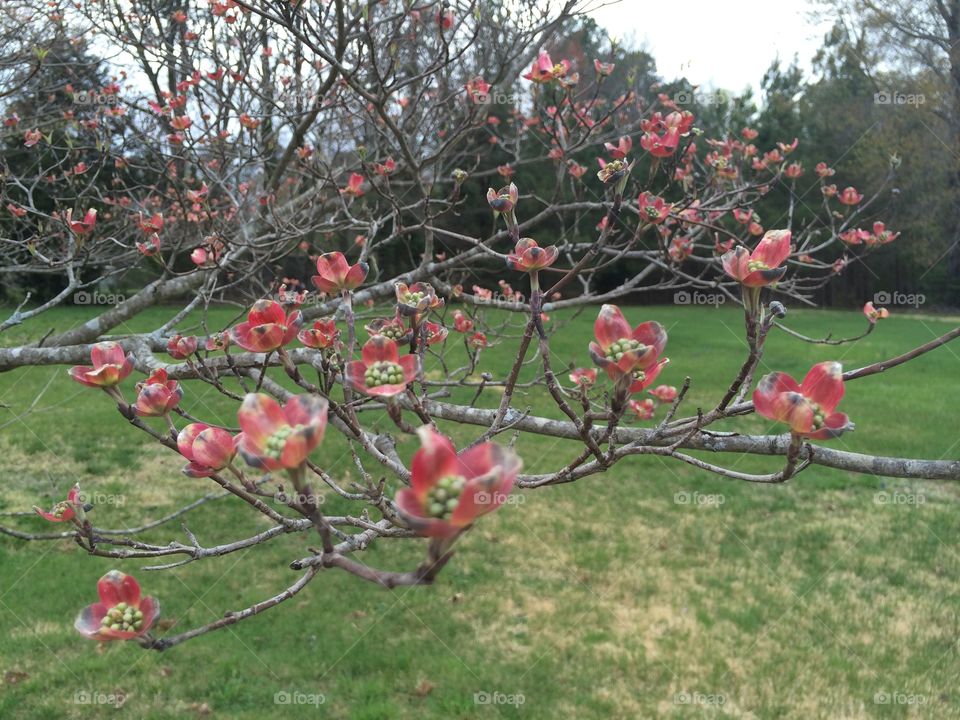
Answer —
(387, 142)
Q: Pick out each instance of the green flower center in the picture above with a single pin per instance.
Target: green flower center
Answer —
(60, 508)
(384, 373)
(818, 416)
(278, 441)
(123, 617)
(443, 499)
(393, 332)
(754, 265)
(618, 348)
(412, 298)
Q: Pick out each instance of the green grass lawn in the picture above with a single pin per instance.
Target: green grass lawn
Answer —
(607, 598)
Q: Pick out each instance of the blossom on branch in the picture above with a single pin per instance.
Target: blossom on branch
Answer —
(110, 366)
(448, 492)
(808, 407)
(527, 256)
(82, 227)
(586, 377)
(209, 449)
(873, 314)
(335, 274)
(324, 334)
(180, 347)
(764, 265)
(382, 372)
(627, 353)
(267, 327)
(65, 510)
(157, 396)
(121, 613)
(280, 437)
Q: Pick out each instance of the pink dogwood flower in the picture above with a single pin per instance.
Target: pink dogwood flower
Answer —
(267, 327)
(82, 227)
(208, 449)
(584, 376)
(448, 492)
(764, 265)
(280, 437)
(157, 395)
(809, 407)
(323, 335)
(873, 314)
(643, 409)
(65, 510)
(627, 353)
(110, 366)
(382, 372)
(335, 274)
(664, 393)
(527, 256)
(180, 347)
(121, 613)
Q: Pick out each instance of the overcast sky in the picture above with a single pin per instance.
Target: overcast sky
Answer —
(723, 44)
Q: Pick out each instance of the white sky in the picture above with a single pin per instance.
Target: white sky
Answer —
(718, 44)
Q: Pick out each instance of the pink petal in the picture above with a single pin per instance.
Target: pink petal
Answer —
(324, 285)
(116, 587)
(356, 276)
(735, 262)
(769, 389)
(214, 448)
(354, 373)
(80, 373)
(652, 334)
(259, 338)
(107, 353)
(379, 348)
(265, 312)
(88, 621)
(435, 459)
(773, 249)
(259, 416)
(824, 385)
(186, 437)
(411, 366)
(833, 426)
(610, 326)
